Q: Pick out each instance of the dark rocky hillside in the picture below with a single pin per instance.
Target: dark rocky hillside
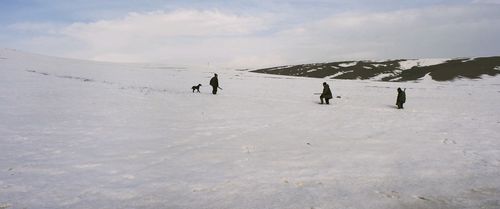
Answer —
(394, 70)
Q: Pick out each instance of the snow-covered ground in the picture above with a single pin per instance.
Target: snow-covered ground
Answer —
(79, 134)
(408, 64)
(350, 64)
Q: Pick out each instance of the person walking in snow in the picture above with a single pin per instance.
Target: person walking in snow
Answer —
(401, 98)
(327, 94)
(214, 82)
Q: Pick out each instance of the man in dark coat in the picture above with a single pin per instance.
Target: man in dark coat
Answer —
(401, 98)
(327, 94)
(214, 82)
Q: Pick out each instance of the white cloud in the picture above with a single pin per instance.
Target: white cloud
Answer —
(190, 36)
(196, 37)
(178, 23)
(428, 32)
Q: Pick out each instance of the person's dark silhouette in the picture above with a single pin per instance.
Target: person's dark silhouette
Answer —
(401, 98)
(214, 82)
(327, 93)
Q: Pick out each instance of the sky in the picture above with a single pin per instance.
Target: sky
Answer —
(251, 34)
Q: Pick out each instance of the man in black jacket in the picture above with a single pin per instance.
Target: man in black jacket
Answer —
(214, 82)
(327, 93)
(401, 98)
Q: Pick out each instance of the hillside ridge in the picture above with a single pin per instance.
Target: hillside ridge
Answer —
(398, 70)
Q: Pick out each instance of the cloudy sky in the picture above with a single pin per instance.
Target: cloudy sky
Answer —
(251, 33)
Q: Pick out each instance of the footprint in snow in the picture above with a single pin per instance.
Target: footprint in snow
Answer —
(422, 198)
(248, 149)
(297, 184)
(391, 194)
(486, 191)
(449, 141)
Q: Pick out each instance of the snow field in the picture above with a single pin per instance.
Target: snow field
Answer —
(78, 134)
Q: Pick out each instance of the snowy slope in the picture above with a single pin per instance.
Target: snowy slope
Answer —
(408, 64)
(394, 70)
(80, 134)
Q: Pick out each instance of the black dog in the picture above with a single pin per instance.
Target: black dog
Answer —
(196, 88)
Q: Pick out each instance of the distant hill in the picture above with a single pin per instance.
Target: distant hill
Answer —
(394, 70)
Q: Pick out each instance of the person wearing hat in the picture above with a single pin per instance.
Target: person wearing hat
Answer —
(214, 82)
(327, 94)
